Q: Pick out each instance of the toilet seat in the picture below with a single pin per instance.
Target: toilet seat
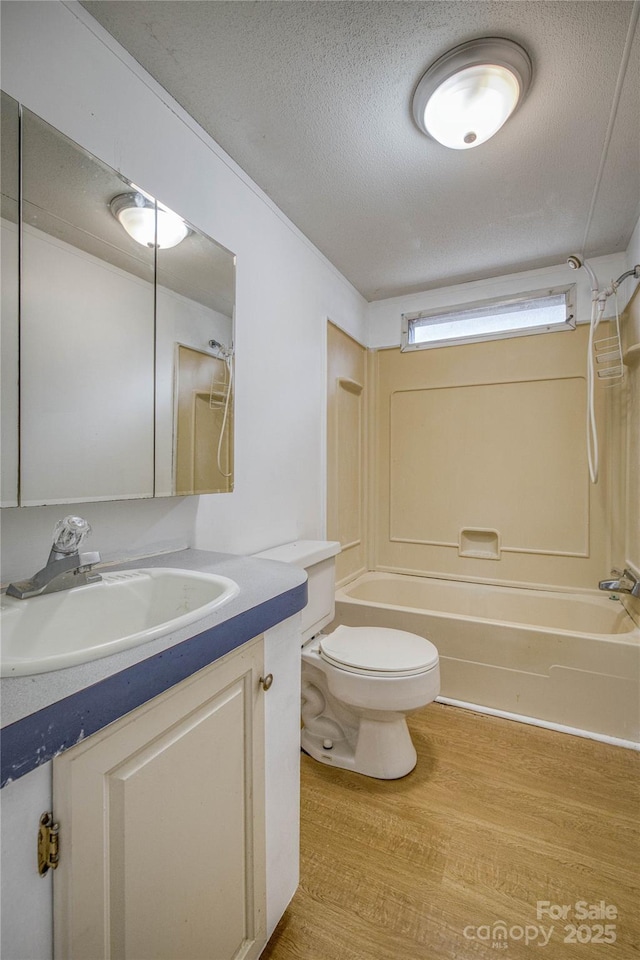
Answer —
(378, 651)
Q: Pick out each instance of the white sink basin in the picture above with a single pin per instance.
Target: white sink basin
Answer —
(122, 610)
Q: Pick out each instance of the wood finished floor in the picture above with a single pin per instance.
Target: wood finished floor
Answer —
(496, 816)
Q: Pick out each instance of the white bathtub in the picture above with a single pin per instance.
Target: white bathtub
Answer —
(567, 659)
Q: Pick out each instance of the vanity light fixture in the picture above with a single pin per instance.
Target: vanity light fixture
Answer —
(137, 214)
(467, 94)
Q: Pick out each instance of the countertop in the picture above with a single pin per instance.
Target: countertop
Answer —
(46, 713)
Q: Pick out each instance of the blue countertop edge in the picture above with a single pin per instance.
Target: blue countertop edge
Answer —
(39, 737)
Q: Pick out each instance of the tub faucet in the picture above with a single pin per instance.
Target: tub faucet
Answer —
(627, 582)
(66, 566)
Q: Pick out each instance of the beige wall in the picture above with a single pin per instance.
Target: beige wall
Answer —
(477, 460)
(481, 468)
(346, 451)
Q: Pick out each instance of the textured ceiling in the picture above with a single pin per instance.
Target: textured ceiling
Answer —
(313, 101)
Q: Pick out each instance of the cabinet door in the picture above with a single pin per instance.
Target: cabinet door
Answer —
(162, 825)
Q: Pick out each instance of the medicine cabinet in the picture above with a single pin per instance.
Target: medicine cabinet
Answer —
(117, 346)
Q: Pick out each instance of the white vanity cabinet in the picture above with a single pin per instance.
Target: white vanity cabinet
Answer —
(162, 825)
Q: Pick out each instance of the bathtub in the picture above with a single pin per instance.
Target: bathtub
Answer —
(567, 660)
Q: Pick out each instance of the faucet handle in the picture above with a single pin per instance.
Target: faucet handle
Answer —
(68, 534)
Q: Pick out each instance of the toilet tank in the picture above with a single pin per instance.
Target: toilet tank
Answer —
(317, 557)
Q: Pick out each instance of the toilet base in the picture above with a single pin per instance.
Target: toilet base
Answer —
(383, 749)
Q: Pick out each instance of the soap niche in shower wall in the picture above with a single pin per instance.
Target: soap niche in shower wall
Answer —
(479, 543)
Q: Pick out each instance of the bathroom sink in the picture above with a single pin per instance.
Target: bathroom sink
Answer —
(124, 609)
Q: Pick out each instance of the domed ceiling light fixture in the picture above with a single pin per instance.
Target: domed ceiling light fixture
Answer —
(468, 94)
(137, 214)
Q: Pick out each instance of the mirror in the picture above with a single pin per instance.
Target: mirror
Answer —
(109, 407)
(195, 284)
(9, 248)
(86, 331)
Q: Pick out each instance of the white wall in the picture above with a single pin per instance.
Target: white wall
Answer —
(633, 258)
(383, 328)
(65, 68)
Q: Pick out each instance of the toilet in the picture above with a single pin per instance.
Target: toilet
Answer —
(358, 683)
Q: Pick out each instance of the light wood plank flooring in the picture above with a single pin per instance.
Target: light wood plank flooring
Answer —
(496, 816)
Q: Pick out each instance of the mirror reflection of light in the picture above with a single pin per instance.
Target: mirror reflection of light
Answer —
(471, 106)
(137, 215)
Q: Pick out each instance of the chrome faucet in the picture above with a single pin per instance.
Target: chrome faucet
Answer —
(66, 566)
(627, 582)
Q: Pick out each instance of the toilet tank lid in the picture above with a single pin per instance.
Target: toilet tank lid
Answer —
(302, 553)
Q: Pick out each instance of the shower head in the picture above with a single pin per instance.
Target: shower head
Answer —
(220, 351)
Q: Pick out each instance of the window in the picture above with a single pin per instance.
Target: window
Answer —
(538, 312)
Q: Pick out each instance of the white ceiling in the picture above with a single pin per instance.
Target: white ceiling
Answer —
(313, 100)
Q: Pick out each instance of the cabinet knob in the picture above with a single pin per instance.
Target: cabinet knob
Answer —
(265, 682)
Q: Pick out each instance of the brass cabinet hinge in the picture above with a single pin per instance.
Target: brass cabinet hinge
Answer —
(48, 844)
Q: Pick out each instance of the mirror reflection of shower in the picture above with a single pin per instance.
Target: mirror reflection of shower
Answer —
(203, 434)
(226, 354)
(604, 356)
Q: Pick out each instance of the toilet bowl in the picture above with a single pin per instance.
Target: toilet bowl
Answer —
(358, 685)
